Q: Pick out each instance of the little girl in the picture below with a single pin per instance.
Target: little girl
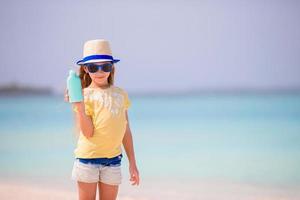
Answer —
(104, 126)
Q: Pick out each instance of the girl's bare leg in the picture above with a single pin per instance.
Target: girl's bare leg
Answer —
(107, 192)
(87, 191)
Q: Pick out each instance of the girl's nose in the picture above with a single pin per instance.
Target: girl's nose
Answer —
(101, 72)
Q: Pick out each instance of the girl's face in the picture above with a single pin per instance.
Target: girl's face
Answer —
(100, 77)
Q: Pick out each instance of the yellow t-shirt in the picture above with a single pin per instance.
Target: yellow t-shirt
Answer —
(107, 109)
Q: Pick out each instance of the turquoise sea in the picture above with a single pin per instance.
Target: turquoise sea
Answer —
(242, 139)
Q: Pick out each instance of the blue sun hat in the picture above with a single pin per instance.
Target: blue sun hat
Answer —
(96, 51)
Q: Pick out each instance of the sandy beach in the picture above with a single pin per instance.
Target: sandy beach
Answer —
(201, 190)
(20, 190)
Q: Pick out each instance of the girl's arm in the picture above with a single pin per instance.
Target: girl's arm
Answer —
(85, 122)
(128, 145)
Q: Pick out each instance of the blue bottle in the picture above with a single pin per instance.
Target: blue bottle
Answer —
(74, 87)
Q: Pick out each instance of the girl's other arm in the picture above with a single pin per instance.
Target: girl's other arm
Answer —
(84, 121)
(128, 145)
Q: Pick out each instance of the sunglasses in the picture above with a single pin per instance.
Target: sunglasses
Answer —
(93, 68)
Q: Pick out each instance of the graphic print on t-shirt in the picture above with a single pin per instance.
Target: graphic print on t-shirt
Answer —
(111, 100)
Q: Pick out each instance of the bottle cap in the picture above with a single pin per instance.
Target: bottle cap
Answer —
(72, 73)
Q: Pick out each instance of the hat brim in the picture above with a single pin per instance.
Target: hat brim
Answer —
(96, 58)
(80, 62)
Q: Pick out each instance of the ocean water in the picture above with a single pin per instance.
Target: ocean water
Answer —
(244, 139)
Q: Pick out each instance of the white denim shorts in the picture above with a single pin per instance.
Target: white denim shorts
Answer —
(92, 173)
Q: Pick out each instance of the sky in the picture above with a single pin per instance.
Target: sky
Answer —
(163, 45)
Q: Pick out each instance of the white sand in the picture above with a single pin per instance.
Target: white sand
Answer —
(22, 190)
(16, 191)
(153, 190)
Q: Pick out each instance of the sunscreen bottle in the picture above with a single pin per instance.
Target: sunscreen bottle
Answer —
(74, 87)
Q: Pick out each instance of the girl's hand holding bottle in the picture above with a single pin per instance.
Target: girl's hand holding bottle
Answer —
(79, 105)
(73, 94)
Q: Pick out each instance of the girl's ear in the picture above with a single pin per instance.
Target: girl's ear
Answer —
(85, 69)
